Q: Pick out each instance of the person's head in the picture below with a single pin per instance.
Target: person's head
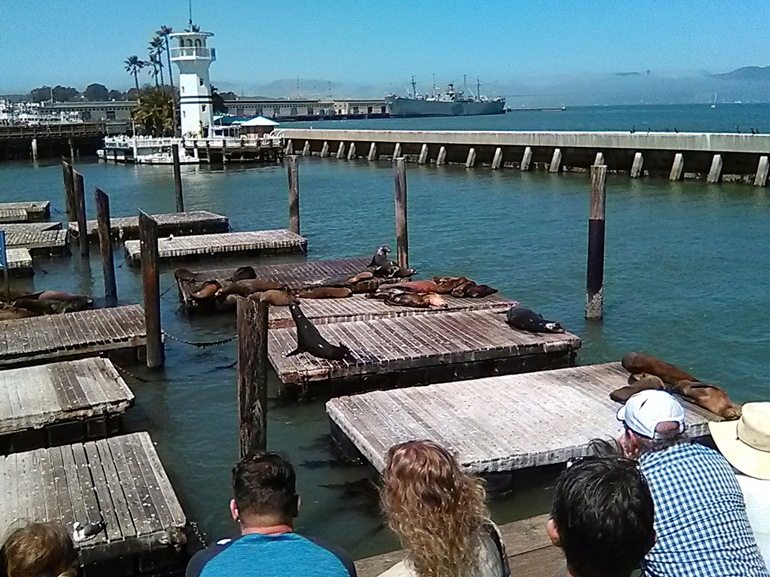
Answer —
(434, 507)
(653, 421)
(745, 443)
(602, 517)
(264, 490)
(39, 550)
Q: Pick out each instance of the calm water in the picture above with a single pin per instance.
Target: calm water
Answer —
(686, 279)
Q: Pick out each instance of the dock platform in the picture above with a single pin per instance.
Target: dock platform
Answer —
(40, 238)
(176, 223)
(116, 332)
(494, 425)
(119, 479)
(25, 211)
(60, 403)
(19, 262)
(360, 308)
(296, 276)
(418, 349)
(224, 244)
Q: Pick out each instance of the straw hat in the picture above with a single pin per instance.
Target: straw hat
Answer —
(745, 443)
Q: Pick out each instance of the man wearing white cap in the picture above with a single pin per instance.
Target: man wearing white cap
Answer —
(745, 443)
(700, 516)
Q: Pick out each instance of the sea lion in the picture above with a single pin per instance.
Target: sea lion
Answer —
(380, 257)
(275, 298)
(13, 313)
(446, 284)
(366, 275)
(207, 291)
(62, 296)
(636, 384)
(640, 363)
(244, 273)
(245, 287)
(461, 290)
(184, 275)
(325, 293)
(528, 320)
(52, 307)
(309, 340)
(410, 299)
(418, 286)
(80, 303)
(479, 291)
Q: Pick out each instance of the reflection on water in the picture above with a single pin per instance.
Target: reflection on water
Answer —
(685, 279)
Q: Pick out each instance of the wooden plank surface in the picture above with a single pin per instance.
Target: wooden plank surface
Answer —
(359, 308)
(19, 258)
(176, 223)
(228, 243)
(496, 424)
(33, 210)
(36, 236)
(57, 337)
(59, 392)
(389, 345)
(119, 479)
(13, 215)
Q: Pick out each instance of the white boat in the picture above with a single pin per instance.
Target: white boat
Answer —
(714, 105)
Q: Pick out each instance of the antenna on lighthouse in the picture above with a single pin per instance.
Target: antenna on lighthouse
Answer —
(190, 7)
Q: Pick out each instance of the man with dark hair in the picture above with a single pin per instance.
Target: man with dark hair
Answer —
(602, 517)
(265, 504)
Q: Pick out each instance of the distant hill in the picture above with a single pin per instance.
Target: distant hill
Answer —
(751, 73)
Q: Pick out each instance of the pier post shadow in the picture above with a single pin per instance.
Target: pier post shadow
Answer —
(252, 375)
(148, 237)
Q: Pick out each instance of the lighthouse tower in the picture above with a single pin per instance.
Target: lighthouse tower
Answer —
(193, 58)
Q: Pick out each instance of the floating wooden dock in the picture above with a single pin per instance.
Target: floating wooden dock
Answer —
(116, 332)
(40, 238)
(224, 244)
(360, 308)
(418, 349)
(494, 425)
(60, 403)
(119, 479)
(296, 276)
(176, 223)
(25, 211)
(19, 262)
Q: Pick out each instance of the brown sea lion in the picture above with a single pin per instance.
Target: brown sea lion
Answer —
(418, 286)
(636, 384)
(184, 275)
(326, 292)
(479, 291)
(309, 340)
(275, 298)
(62, 296)
(366, 275)
(79, 304)
(244, 273)
(245, 287)
(636, 363)
(53, 307)
(446, 284)
(207, 291)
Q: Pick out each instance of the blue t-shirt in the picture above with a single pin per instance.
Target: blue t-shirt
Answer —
(256, 555)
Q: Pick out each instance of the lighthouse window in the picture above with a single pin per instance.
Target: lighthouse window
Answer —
(198, 42)
(201, 81)
(204, 108)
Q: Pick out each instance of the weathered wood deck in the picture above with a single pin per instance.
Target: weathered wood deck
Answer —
(117, 332)
(360, 308)
(40, 238)
(60, 403)
(529, 549)
(119, 479)
(25, 211)
(224, 244)
(176, 223)
(419, 349)
(19, 262)
(494, 425)
(296, 276)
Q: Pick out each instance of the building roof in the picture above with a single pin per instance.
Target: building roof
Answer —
(259, 121)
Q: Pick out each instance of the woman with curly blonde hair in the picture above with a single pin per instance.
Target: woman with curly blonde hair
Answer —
(439, 514)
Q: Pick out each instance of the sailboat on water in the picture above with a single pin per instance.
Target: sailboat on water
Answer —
(714, 105)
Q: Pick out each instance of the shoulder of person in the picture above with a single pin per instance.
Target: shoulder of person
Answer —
(199, 560)
(343, 557)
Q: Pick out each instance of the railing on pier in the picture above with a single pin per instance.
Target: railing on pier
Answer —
(193, 52)
(70, 130)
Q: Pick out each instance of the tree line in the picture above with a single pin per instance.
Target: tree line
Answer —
(93, 93)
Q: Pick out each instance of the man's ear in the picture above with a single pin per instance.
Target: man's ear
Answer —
(234, 511)
(553, 533)
(297, 504)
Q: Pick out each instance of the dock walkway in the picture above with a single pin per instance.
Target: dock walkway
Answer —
(223, 244)
(360, 308)
(59, 403)
(25, 211)
(176, 223)
(40, 238)
(116, 332)
(419, 349)
(119, 479)
(494, 425)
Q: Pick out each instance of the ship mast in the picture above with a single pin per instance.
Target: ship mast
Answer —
(414, 88)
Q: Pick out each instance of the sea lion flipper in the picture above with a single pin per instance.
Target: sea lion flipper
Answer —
(292, 353)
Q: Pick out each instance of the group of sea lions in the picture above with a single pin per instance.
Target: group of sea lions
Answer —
(43, 303)
(428, 293)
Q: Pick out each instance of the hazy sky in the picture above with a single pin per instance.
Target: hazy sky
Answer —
(76, 42)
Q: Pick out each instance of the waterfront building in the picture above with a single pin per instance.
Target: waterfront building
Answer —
(99, 111)
(306, 108)
(194, 57)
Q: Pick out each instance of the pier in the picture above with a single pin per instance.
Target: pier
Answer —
(58, 403)
(224, 244)
(120, 480)
(418, 350)
(39, 238)
(50, 140)
(19, 262)
(117, 332)
(707, 156)
(494, 425)
(175, 223)
(25, 211)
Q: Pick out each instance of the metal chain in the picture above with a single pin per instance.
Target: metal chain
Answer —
(129, 373)
(193, 525)
(200, 345)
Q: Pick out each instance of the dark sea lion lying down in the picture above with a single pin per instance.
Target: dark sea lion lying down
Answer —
(410, 299)
(63, 296)
(528, 320)
(53, 307)
(309, 340)
(274, 297)
(207, 291)
(325, 293)
(184, 275)
(675, 380)
(245, 287)
(244, 273)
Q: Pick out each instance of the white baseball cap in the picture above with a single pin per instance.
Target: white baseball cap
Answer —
(644, 411)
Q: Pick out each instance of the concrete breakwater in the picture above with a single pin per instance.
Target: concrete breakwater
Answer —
(713, 157)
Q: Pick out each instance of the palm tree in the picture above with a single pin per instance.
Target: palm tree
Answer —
(156, 49)
(164, 33)
(134, 66)
(155, 112)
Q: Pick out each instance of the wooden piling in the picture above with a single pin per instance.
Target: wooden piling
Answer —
(208, 151)
(423, 154)
(677, 167)
(352, 151)
(595, 277)
(372, 151)
(497, 161)
(252, 375)
(72, 150)
(325, 149)
(636, 167)
(148, 236)
(289, 148)
(341, 151)
(102, 203)
(526, 158)
(402, 238)
(293, 175)
(80, 212)
(69, 190)
(555, 161)
(34, 147)
(599, 159)
(224, 151)
(441, 158)
(760, 179)
(715, 172)
(470, 162)
(306, 148)
(177, 178)
(396, 151)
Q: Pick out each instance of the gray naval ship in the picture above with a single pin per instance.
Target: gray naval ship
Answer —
(450, 102)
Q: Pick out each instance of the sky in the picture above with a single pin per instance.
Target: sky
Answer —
(77, 42)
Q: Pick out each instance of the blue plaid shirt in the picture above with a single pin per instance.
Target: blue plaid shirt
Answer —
(700, 517)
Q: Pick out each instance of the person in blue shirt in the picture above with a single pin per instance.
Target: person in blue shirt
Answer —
(265, 505)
